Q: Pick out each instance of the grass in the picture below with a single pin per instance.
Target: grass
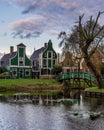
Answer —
(94, 89)
(33, 86)
(25, 82)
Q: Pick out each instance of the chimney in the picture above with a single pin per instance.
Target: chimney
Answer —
(45, 44)
(11, 49)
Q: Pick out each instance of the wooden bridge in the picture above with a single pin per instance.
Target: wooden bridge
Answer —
(75, 78)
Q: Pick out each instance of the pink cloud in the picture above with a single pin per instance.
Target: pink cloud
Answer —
(34, 20)
(52, 16)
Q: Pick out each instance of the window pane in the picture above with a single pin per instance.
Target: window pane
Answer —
(44, 62)
(49, 54)
(27, 72)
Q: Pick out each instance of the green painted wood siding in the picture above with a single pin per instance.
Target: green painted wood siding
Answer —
(21, 52)
(50, 59)
(27, 61)
(49, 48)
(14, 61)
(18, 72)
(49, 64)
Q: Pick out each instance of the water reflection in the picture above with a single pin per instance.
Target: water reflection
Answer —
(49, 113)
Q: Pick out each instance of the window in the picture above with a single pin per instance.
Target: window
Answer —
(27, 72)
(44, 71)
(34, 63)
(21, 61)
(49, 55)
(54, 55)
(53, 62)
(44, 62)
(21, 73)
(14, 72)
(49, 63)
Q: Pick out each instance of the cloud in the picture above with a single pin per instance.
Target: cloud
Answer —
(35, 25)
(27, 28)
(51, 16)
(53, 6)
(23, 34)
(58, 6)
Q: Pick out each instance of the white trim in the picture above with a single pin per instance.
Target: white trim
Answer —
(12, 58)
(41, 60)
(22, 74)
(23, 55)
(14, 69)
(21, 66)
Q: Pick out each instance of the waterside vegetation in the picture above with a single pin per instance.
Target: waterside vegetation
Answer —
(95, 89)
(29, 86)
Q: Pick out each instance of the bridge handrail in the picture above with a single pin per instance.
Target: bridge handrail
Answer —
(82, 75)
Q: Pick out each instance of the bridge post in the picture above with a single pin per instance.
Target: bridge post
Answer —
(90, 81)
(79, 83)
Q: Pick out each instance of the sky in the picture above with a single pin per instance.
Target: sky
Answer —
(34, 22)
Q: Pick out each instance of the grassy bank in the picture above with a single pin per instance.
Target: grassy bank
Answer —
(33, 86)
(94, 89)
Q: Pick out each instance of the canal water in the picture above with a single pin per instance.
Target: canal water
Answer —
(50, 113)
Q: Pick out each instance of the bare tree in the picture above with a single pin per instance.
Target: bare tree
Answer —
(84, 40)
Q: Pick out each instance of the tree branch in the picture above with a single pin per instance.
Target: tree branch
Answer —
(95, 48)
(96, 21)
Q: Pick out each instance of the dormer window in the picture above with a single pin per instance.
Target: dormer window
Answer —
(21, 61)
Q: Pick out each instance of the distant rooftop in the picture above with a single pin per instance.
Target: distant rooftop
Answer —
(6, 57)
(36, 53)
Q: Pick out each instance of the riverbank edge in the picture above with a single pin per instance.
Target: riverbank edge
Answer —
(94, 94)
(11, 87)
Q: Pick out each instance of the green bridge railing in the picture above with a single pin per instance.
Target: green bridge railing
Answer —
(76, 75)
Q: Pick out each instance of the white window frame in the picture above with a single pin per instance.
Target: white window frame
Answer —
(26, 71)
(14, 69)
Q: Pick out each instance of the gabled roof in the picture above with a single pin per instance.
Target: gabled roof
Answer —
(21, 44)
(6, 57)
(36, 53)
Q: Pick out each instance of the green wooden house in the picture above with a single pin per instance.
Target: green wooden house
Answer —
(17, 63)
(43, 61)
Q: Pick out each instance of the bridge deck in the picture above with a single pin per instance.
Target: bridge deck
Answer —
(76, 75)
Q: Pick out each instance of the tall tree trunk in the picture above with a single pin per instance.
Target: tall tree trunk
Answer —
(93, 69)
